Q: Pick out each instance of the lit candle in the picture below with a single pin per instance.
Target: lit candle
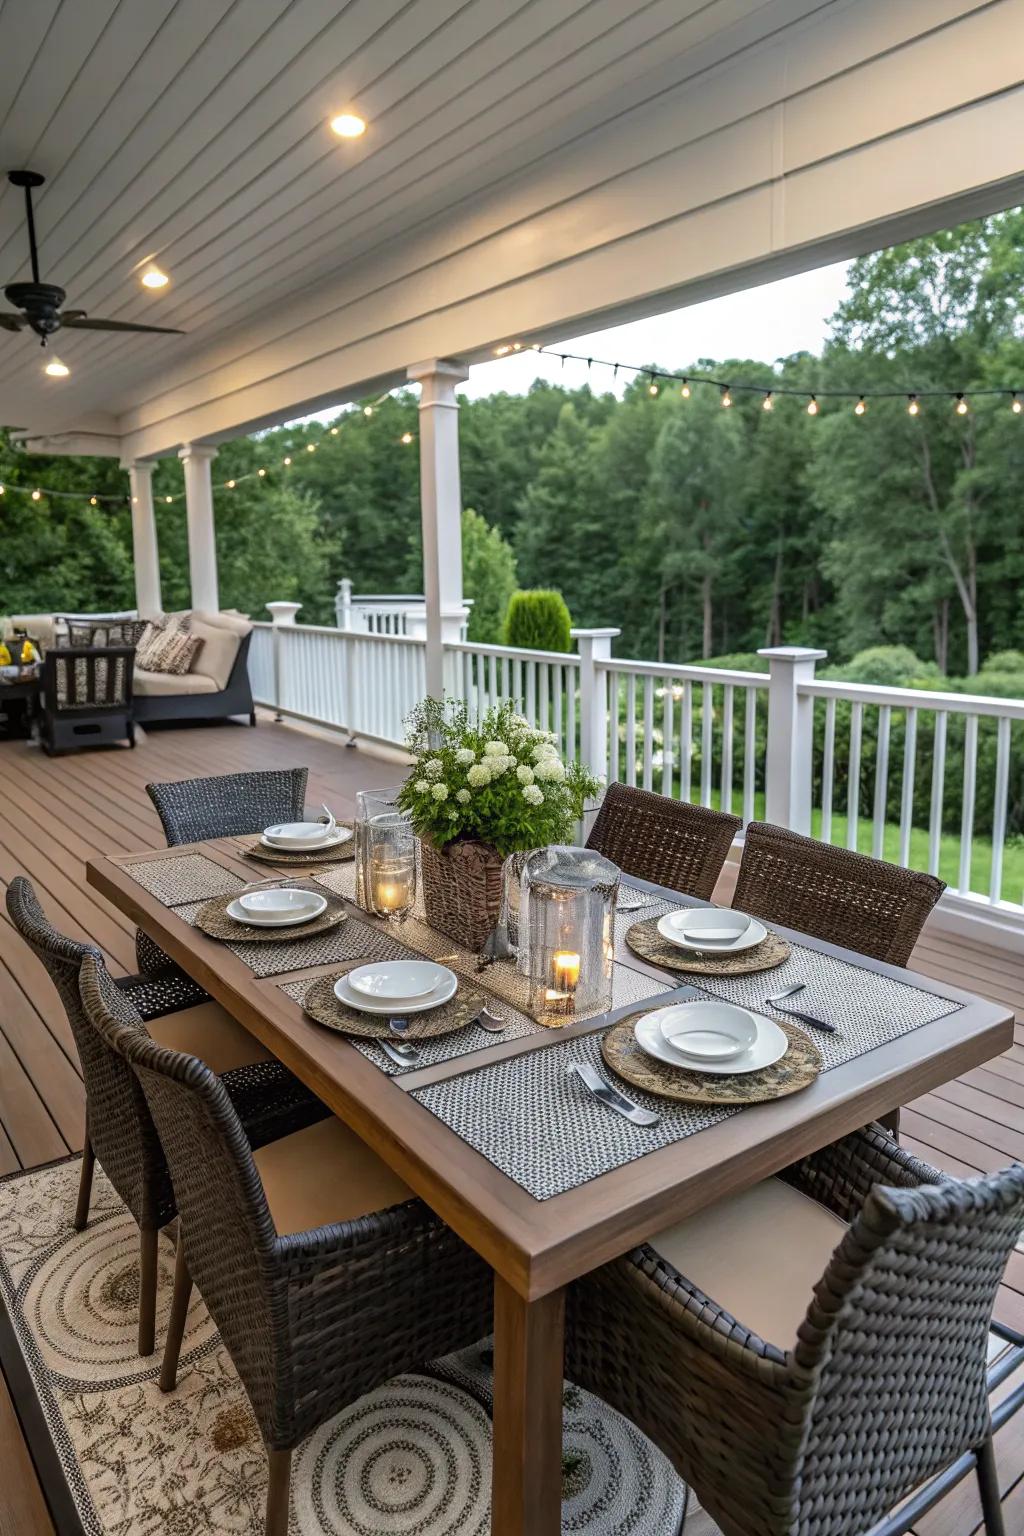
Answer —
(567, 970)
(392, 895)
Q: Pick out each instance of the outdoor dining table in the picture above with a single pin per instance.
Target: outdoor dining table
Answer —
(507, 1147)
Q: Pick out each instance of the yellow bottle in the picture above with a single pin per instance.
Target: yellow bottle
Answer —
(28, 653)
(5, 655)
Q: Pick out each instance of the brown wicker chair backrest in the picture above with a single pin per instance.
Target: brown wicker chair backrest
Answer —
(889, 1371)
(228, 804)
(120, 1127)
(227, 1231)
(843, 897)
(668, 842)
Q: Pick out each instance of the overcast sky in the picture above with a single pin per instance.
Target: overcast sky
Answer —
(765, 323)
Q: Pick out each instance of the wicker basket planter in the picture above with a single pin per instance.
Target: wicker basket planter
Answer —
(462, 890)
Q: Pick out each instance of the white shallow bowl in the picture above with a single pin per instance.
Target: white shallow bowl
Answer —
(397, 980)
(769, 1047)
(277, 908)
(712, 930)
(708, 1031)
(442, 993)
(304, 834)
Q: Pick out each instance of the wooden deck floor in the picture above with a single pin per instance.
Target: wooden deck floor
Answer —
(57, 813)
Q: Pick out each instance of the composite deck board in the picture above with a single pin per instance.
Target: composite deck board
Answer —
(58, 812)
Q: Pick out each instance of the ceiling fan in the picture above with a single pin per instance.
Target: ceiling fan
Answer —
(41, 303)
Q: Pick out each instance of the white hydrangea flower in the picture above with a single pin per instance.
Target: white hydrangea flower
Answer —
(532, 795)
(465, 755)
(524, 774)
(499, 765)
(462, 795)
(495, 749)
(433, 768)
(478, 775)
(544, 749)
(421, 786)
(550, 768)
(440, 791)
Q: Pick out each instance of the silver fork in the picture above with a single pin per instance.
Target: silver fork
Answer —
(779, 1002)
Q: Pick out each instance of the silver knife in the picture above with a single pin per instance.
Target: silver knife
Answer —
(610, 1097)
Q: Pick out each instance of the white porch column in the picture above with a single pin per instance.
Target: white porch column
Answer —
(790, 750)
(440, 508)
(146, 552)
(202, 544)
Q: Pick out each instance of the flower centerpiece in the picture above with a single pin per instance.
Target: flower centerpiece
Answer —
(476, 794)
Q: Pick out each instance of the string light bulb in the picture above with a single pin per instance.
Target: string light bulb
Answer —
(311, 447)
(812, 407)
(367, 410)
(261, 473)
(685, 391)
(768, 404)
(1, 490)
(1015, 406)
(961, 406)
(93, 501)
(652, 388)
(37, 495)
(231, 485)
(168, 499)
(407, 438)
(726, 397)
(334, 431)
(861, 407)
(913, 408)
(287, 463)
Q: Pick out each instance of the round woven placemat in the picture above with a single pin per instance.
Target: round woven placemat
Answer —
(644, 940)
(344, 851)
(797, 1069)
(213, 919)
(321, 1004)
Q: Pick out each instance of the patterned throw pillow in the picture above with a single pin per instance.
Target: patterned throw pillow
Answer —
(152, 637)
(176, 654)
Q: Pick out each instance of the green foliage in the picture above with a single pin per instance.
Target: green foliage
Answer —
(488, 576)
(500, 782)
(538, 620)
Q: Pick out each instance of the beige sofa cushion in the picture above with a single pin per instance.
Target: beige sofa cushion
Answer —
(168, 684)
(758, 1254)
(220, 644)
(227, 618)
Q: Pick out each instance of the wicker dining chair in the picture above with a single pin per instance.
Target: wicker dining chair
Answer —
(668, 842)
(791, 1418)
(833, 893)
(119, 1132)
(228, 804)
(324, 1275)
(223, 805)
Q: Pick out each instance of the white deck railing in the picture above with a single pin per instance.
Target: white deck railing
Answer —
(921, 779)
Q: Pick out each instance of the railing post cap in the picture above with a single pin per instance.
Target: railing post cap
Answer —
(792, 653)
(283, 613)
(594, 634)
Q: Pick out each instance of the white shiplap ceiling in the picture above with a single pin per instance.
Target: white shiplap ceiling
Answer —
(194, 133)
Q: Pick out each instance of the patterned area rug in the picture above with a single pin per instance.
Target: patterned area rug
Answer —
(410, 1459)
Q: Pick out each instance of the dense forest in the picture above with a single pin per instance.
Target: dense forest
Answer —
(701, 531)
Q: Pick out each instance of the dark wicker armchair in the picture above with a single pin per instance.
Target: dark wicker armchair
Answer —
(668, 842)
(87, 697)
(228, 804)
(368, 1284)
(118, 1129)
(224, 805)
(881, 1385)
(843, 897)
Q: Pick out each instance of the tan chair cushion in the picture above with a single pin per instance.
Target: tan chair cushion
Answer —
(758, 1254)
(324, 1174)
(220, 647)
(209, 1032)
(168, 684)
(227, 618)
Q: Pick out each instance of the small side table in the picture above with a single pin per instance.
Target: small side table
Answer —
(19, 707)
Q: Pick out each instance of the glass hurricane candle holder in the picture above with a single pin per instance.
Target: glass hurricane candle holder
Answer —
(391, 865)
(569, 899)
(374, 809)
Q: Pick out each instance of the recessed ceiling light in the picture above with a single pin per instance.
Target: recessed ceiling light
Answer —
(347, 125)
(154, 278)
(56, 369)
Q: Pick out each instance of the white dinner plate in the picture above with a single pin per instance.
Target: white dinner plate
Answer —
(699, 928)
(303, 909)
(333, 840)
(397, 981)
(442, 993)
(769, 1047)
(708, 1030)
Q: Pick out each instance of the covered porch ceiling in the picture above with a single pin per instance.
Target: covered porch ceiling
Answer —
(527, 167)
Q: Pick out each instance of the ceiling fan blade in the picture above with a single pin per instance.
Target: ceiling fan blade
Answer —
(12, 322)
(79, 321)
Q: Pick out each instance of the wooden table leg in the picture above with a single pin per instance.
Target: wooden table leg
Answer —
(526, 1482)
